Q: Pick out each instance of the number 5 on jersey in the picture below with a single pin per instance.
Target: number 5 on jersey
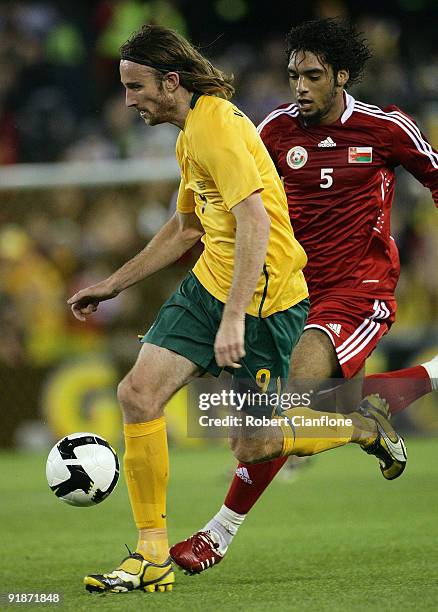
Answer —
(326, 178)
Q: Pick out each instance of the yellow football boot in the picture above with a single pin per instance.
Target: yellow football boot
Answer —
(134, 572)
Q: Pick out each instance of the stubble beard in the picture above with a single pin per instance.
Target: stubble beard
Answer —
(318, 115)
(166, 110)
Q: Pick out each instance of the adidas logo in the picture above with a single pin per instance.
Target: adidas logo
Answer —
(335, 327)
(328, 142)
(243, 474)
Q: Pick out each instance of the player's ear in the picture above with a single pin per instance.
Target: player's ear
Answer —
(342, 77)
(171, 81)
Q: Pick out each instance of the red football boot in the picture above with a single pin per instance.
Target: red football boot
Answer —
(197, 553)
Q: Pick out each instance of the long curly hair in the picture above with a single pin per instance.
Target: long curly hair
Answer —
(334, 42)
(167, 51)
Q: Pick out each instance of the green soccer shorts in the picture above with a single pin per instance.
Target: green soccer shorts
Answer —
(188, 322)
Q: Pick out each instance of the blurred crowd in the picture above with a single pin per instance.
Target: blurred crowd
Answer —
(60, 96)
(60, 100)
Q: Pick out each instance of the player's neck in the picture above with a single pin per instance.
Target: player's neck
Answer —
(182, 108)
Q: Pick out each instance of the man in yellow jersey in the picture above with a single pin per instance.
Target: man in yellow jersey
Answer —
(242, 307)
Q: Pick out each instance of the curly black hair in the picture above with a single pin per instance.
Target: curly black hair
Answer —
(335, 42)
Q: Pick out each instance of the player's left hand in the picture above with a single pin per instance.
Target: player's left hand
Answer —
(229, 346)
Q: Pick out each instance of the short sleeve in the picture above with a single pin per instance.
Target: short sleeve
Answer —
(186, 201)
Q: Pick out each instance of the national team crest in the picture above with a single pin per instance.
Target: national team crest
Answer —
(296, 157)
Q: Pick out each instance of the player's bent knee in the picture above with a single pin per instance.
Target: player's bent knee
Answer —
(123, 395)
(246, 452)
(233, 442)
(136, 403)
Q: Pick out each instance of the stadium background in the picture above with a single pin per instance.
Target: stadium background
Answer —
(83, 185)
(113, 180)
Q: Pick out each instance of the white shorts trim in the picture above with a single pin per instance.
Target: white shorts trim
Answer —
(371, 331)
(355, 343)
(322, 329)
(361, 336)
(356, 337)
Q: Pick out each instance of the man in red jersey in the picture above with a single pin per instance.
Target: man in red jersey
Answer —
(337, 157)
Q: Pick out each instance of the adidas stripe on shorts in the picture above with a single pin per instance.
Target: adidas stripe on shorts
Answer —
(354, 323)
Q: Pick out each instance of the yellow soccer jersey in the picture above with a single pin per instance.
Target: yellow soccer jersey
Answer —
(223, 161)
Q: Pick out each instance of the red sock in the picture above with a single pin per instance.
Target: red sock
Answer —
(253, 480)
(400, 388)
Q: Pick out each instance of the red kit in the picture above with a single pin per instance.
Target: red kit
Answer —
(339, 180)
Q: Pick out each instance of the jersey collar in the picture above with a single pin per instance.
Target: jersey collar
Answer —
(194, 99)
(349, 107)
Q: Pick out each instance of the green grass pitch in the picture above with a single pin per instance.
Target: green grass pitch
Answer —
(338, 538)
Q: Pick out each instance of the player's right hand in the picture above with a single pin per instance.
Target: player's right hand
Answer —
(229, 345)
(86, 301)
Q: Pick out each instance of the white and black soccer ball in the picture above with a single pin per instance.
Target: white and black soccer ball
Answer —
(82, 469)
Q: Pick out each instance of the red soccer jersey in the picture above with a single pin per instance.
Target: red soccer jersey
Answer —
(339, 182)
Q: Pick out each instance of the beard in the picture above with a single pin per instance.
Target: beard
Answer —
(166, 108)
(163, 112)
(318, 115)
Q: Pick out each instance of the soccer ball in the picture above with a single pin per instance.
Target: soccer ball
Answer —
(82, 469)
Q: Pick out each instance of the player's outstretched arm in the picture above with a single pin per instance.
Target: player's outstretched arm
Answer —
(252, 236)
(176, 237)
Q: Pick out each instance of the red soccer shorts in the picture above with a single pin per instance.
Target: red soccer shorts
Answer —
(354, 324)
